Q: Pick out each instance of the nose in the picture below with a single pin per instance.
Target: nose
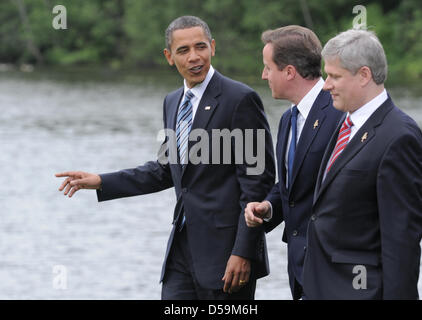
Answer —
(328, 86)
(264, 75)
(193, 55)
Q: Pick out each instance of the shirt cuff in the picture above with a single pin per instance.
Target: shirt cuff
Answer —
(269, 215)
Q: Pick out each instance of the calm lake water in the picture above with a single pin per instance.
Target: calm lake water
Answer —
(53, 247)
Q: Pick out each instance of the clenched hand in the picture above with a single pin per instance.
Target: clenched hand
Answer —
(255, 212)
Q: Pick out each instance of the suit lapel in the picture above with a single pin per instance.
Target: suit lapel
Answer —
(326, 157)
(365, 134)
(208, 104)
(173, 107)
(313, 123)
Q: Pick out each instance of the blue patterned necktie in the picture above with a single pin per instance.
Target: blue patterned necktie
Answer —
(292, 147)
(183, 126)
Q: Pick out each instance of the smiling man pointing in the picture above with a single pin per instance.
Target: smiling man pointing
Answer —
(211, 253)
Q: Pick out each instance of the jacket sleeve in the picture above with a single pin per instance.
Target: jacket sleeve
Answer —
(256, 174)
(149, 178)
(399, 195)
(274, 198)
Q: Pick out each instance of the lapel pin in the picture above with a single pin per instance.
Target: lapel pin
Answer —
(364, 137)
(316, 124)
(208, 108)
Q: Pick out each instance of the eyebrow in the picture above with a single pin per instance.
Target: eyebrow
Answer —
(181, 48)
(202, 43)
(329, 73)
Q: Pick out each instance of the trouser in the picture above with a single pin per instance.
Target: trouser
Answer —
(180, 283)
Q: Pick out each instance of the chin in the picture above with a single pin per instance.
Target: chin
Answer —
(198, 80)
(339, 107)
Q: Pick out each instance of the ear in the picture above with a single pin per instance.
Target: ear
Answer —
(290, 72)
(212, 48)
(365, 75)
(168, 55)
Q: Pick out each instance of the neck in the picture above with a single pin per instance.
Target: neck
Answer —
(301, 89)
(373, 92)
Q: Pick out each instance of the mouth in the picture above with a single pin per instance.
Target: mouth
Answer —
(196, 69)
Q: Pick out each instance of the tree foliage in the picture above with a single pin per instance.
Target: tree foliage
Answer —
(128, 33)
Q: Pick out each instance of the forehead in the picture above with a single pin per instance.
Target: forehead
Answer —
(334, 66)
(188, 36)
(267, 52)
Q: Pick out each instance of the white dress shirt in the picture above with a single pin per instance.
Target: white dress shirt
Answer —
(197, 91)
(361, 115)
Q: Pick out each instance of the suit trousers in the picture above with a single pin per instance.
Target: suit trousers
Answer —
(180, 283)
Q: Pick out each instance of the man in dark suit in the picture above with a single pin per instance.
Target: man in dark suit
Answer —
(365, 231)
(292, 66)
(210, 247)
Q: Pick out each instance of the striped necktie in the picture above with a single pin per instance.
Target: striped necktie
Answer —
(342, 141)
(183, 126)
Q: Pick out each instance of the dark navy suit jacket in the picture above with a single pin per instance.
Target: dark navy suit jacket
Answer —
(294, 206)
(212, 196)
(364, 235)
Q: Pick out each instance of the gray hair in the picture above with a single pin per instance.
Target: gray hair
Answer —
(358, 48)
(186, 22)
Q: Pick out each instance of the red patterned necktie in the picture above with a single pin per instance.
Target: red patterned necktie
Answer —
(342, 140)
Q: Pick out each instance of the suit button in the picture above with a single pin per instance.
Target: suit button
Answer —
(291, 204)
(294, 233)
(304, 248)
(313, 217)
(185, 190)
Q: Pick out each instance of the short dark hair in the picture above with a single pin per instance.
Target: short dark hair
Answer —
(186, 22)
(297, 46)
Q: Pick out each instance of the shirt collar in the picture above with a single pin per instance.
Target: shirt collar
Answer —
(200, 88)
(305, 105)
(362, 114)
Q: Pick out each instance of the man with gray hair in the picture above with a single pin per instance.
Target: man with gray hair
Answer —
(366, 225)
